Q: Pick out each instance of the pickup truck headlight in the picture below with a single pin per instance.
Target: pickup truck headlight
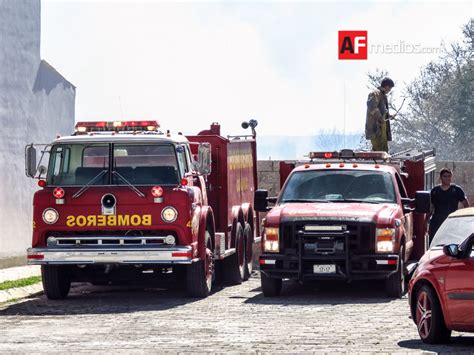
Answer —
(385, 240)
(271, 238)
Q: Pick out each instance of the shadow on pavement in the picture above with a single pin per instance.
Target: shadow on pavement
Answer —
(88, 299)
(457, 344)
(327, 292)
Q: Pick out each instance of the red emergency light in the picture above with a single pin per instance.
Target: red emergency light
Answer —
(58, 192)
(350, 154)
(157, 191)
(98, 126)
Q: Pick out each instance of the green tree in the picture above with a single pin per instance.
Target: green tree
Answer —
(439, 112)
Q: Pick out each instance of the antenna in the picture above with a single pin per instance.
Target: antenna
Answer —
(344, 132)
(121, 109)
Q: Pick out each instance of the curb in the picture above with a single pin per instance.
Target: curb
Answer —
(20, 292)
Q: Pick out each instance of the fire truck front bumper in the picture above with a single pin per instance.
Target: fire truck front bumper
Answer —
(80, 256)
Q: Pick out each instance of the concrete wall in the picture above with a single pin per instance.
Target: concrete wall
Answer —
(36, 104)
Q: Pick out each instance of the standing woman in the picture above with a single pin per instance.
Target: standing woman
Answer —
(445, 199)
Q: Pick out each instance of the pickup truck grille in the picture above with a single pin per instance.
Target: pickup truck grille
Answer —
(361, 237)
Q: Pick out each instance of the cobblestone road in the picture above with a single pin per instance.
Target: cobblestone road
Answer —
(332, 318)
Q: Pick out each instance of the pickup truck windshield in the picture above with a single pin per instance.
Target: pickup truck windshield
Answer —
(339, 186)
(139, 164)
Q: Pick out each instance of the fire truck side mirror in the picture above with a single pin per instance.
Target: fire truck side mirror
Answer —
(422, 202)
(30, 160)
(260, 202)
(204, 159)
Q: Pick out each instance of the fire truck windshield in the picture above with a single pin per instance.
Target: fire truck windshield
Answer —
(339, 186)
(137, 164)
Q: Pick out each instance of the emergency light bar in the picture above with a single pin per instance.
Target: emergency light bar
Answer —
(350, 154)
(101, 126)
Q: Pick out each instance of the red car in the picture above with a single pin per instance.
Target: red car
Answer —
(441, 291)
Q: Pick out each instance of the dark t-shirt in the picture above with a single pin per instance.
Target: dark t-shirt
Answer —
(446, 202)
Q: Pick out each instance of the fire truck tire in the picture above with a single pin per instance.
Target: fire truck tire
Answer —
(56, 281)
(248, 237)
(271, 287)
(199, 275)
(234, 265)
(396, 284)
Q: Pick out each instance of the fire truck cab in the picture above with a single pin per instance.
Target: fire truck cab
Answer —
(128, 202)
(346, 216)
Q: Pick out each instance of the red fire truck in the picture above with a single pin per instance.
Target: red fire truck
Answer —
(346, 216)
(127, 201)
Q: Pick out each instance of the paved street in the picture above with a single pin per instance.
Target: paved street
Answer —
(338, 318)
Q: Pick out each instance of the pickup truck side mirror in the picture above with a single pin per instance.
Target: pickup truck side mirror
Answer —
(30, 160)
(260, 201)
(422, 202)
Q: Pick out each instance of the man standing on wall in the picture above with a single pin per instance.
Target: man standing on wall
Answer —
(377, 124)
(445, 199)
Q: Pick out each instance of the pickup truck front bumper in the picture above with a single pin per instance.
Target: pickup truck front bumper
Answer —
(345, 267)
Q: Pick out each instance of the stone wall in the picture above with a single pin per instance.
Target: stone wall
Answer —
(269, 175)
(36, 104)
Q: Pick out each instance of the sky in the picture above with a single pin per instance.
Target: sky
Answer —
(189, 64)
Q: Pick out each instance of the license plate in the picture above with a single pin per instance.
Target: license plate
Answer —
(324, 269)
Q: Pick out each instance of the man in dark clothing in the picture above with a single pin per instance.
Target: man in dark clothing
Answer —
(445, 199)
(377, 124)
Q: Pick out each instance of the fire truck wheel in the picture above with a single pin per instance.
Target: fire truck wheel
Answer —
(234, 265)
(56, 281)
(396, 284)
(200, 274)
(271, 287)
(248, 236)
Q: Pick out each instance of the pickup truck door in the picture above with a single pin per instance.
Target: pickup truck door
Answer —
(407, 219)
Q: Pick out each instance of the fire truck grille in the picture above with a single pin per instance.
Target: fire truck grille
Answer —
(361, 237)
(97, 239)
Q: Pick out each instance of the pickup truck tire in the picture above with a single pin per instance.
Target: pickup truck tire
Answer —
(396, 284)
(199, 275)
(234, 265)
(248, 236)
(271, 287)
(56, 281)
(429, 317)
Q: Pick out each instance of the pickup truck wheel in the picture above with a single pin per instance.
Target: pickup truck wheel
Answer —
(429, 317)
(396, 284)
(56, 281)
(199, 275)
(271, 287)
(248, 236)
(234, 265)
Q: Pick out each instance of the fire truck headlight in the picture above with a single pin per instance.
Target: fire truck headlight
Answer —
(50, 216)
(271, 238)
(169, 214)
(385, 238)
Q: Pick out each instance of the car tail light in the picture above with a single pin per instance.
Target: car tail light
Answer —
(42, 183)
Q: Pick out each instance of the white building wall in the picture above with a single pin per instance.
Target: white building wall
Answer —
(36, 104)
